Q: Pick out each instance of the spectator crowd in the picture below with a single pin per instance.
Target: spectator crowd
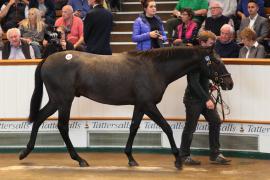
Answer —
(241, 27)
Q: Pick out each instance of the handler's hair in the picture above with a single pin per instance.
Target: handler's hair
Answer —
(145, 3)
(205, 35)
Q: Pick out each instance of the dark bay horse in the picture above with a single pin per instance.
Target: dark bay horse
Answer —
(130, 78)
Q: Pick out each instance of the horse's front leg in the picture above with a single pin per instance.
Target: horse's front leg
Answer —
(135, 124)
(43, 114)
(153, 113)
(64, 115)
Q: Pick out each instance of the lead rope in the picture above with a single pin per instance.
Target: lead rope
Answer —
(219, 100)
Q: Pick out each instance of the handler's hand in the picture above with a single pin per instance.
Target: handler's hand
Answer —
(210, 104)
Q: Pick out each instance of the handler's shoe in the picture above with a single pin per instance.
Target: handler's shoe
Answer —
(187, 160)
(220, 159)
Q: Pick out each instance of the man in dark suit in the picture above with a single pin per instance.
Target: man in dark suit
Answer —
(97, 29)
(256, 22)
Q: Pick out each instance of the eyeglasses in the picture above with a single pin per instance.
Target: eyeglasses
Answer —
(214, 8)
(184, 14)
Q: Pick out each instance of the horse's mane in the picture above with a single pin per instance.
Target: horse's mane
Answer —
(164, 53)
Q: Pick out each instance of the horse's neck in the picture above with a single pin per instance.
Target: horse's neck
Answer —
(174, 67)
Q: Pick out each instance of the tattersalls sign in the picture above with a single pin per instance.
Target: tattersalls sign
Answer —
(146, 125)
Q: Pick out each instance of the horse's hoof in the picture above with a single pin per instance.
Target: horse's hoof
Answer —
(83, 163)
(24, 153)
(133, 163)
(178, 164)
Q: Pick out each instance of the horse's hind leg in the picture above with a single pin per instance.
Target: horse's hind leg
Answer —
(44, 113)
(135, 124)
(64, 115)
(153, 112)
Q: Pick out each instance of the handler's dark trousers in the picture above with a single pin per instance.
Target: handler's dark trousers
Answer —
(193, 111)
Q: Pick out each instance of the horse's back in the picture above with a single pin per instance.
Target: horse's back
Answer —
(107, 79)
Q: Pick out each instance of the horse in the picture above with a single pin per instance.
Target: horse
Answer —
(131, 78)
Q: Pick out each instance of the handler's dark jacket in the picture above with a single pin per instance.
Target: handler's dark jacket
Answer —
(197, 87)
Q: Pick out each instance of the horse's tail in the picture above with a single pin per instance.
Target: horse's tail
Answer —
(37, 94)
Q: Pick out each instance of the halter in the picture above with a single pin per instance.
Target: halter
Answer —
(218, 99)
(218, 79)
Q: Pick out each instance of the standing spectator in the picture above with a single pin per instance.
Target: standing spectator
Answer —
(12, 12)
(198, 101)
(216, 20)
(15, 48)
(251, 48)
(80, 7)
(199, 7)
(242, 8)
(98, 27)
(186, 32)
(229, 7)
(256, 22)
(148, 30)
(225, 46)
(46, 8)
(73, 24)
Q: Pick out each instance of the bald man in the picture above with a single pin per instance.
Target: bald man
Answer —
(72, 24)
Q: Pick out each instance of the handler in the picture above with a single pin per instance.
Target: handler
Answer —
(198, 101)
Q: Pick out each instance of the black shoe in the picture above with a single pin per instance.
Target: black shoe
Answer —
(187, 160)
(220, 159)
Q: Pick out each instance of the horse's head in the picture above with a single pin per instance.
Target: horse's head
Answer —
(217, 72)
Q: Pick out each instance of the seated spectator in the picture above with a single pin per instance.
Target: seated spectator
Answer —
(199, 7)
(62, 45)
(15, 48)
(226, 46)
(73, 24)
(256, 22)
(1, 39)
(186, 32)
(32, 30)
(242, 8)
(251, 48)
(46, 8)
(12, 12)
(148, 31)
(229, 7)
(80, 7)
(217, 19)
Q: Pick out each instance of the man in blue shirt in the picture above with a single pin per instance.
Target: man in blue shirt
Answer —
(80, 7)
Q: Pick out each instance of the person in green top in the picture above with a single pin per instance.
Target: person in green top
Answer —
(199, 7)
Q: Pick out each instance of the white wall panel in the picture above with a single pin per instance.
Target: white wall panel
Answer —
(249, 98)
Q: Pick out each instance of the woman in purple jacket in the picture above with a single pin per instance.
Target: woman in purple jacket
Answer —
(148, 30)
